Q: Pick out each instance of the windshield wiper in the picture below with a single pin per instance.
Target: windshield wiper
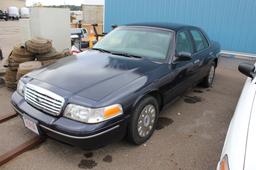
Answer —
(117, 53)
(126, 55)
(101, 50)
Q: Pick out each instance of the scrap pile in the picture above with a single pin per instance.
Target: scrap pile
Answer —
(34, 54)
(18, 55)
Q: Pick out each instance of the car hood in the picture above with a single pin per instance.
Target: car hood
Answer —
(93, 74)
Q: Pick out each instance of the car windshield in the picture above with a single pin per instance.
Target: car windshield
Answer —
(144, 42)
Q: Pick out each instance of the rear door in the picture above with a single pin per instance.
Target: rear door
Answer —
(201, 53)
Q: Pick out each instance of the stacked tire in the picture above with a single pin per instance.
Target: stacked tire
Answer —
(18, 55)
(10, 79)
(51, 57)
(38, 45)
(27, 67)
(36, 53)
(43, 50)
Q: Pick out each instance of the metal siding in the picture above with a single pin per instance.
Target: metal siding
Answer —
(230, 22)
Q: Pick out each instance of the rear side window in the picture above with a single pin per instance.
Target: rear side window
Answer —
(200, 40)
(183, 43)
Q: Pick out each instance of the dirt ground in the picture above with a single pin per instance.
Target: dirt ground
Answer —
(189, 136)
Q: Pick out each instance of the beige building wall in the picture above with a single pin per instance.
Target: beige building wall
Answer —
(92, 14)
(4, 4)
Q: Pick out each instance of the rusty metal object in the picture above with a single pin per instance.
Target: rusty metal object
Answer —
(4, 158)
(7, 117)
(20, 149)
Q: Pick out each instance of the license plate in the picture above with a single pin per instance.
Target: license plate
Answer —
(30, 125)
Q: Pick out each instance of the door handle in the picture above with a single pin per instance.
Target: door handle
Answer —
(211, 53)
(196, 61)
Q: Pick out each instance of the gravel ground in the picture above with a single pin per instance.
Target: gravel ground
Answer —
(189, 135)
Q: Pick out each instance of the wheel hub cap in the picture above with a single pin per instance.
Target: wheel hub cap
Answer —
(146, 120)
(211, 75)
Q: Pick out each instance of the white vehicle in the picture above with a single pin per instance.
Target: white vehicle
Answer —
(24, 12)
(79, 37)
(240, 144)
(13, 12)
(78, 32)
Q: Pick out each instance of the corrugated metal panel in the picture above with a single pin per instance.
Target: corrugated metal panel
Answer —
(231, 22)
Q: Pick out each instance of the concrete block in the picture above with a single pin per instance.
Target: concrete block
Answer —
(52, 23)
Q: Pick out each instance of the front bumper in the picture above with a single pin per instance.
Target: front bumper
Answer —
(87, 136)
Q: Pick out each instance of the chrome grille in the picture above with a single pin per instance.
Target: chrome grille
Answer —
(44, 99)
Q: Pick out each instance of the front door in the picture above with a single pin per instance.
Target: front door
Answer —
(180, 71)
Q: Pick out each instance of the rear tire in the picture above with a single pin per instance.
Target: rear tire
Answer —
(208, 80)
(143, 121)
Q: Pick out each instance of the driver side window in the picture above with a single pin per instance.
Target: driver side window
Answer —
(183, 42)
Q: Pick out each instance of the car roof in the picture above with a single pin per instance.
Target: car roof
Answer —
(165, 25)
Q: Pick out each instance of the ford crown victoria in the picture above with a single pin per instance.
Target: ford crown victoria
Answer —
(118, 87)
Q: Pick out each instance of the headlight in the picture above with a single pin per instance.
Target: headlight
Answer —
(224, 163)
(89, 115)
(21, 88)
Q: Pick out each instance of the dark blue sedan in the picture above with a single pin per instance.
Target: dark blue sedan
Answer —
(118, 87)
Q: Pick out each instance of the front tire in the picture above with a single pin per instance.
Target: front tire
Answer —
(208, 80)
(143, 121)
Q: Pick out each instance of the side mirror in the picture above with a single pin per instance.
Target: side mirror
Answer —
(183, 56)
(247, 69)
